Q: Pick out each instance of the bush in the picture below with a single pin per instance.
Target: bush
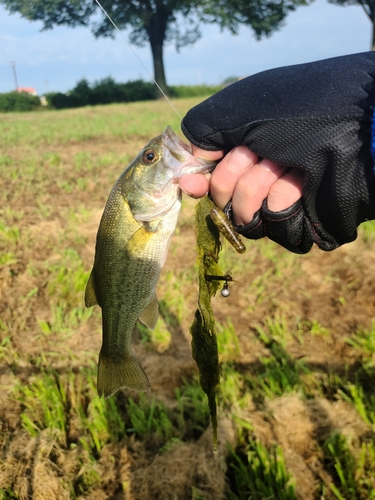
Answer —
(18, 101)
(58, 100)
(107, 91)
(81, 95)
(137, 90)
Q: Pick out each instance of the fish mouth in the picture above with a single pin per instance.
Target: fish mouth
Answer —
(178, 156)
(173, 142)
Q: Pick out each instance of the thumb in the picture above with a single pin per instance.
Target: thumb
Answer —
(206, 155)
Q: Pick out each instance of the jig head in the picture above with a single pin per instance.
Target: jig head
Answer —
(225, 292)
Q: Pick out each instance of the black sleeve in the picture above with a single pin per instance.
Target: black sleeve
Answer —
(316, 117)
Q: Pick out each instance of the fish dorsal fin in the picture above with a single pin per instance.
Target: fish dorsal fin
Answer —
(90, 294)
(150, 315)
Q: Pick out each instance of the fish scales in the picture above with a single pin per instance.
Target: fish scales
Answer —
(131, 248)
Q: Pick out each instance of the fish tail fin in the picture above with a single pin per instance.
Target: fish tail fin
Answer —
(120, 373)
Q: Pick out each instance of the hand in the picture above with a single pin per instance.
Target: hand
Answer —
(310, 126)
(245, 181)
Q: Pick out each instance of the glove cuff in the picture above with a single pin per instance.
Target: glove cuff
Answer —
(291, 228)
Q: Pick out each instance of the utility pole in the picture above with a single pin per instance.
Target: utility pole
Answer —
(13, 64)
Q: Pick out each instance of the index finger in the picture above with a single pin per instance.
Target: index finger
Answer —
(226, 174)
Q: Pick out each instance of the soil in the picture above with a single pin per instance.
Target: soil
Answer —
(336, 290)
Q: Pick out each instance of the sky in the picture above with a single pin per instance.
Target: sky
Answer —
(57, 59)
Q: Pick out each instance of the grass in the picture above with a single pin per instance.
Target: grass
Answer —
(260, 473)
(296, 342)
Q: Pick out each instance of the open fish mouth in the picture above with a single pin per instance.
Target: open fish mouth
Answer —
(178, 156)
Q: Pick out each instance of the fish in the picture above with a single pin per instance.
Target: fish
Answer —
(132, 243)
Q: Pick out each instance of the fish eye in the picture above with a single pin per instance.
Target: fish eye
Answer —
(148, 156)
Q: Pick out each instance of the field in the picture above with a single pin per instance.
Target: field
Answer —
(296, 337)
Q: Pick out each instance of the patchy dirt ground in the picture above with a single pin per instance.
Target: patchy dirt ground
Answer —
(297, 311)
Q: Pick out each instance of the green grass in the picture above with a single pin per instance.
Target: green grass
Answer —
(92, 123)
(7, 494)
(294, 327)
(260, 473)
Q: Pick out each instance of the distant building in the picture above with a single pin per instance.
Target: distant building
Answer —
(27, 90)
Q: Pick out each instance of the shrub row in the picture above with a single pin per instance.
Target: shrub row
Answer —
(105, 91)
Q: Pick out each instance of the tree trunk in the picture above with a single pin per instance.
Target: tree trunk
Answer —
(159, 75)
(156, 31)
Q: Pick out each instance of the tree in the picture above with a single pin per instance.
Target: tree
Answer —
(159, 21)
(369, 8)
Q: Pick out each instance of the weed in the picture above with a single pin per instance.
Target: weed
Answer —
(277, 330)
(8, 354)
(363, 403)
(260, 473)
(44, 401)
(367, 231)
(9, 235)
(8, 494)
(64, 321)
(102, 420)
(150, 417)
(193, 412)
(7, 259)
(68, 277)
(232, 388)
(364, 342)
(354, 472)
(227, 342)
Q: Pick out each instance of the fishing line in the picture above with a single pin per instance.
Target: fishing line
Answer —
(139, 59)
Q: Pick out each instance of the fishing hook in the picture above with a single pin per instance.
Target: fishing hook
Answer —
(225, 292)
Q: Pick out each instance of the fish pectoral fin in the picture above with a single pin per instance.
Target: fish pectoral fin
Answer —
(120, 373)
(150, 315)
(90, 294)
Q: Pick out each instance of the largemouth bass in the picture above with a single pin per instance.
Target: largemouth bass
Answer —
(136, 227)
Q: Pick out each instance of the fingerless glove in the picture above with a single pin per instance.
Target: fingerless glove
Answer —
(316, 117)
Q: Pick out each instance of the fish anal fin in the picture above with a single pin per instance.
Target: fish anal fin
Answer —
(90, 294)
(150, 315)
(120, 373)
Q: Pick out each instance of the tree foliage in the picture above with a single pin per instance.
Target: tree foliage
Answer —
(158, 22)
(369, 8)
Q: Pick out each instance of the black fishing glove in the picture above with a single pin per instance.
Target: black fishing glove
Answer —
(316, 117)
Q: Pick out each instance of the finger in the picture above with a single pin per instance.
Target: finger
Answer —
(286, 190)
(228, 172)
(206, 155)
(195, 185)
(252, 188)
